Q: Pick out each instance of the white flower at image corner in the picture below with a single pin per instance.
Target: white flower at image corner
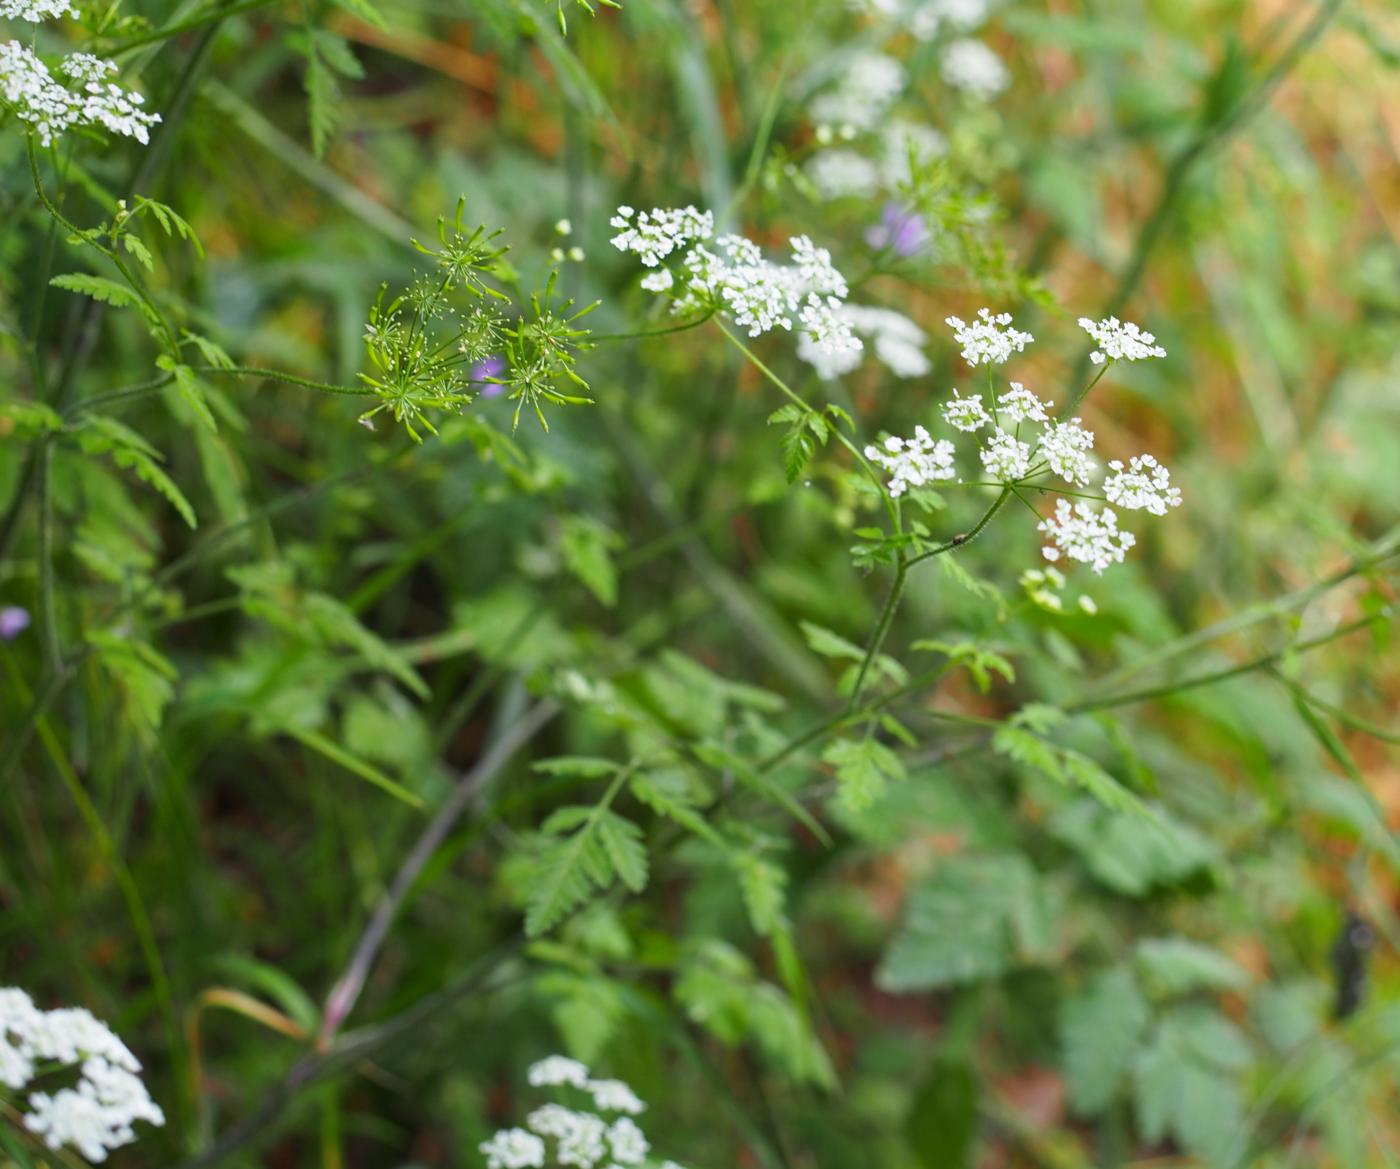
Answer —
(1083, 534)
(98, 1113)
(989, 339)
(1066, 446)
(1005, 458)
(653, 235)
(1144, 486)
(1120, 341)
(912, 462)
(1019, 404)
(35, 11)
(49, 107)
(513, 1148)
(972, 67)
(966, 414)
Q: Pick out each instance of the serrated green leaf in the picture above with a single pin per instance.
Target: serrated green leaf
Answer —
(863, 766)
(1100, 1029)
(1175, 966)
(97, 287)
(581, 766)
(622, 841)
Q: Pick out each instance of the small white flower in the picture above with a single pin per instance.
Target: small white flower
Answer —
(557, 1069)
(989, 339)
(897, 342)
(971, 66)
(1065, 446)
(863, 95)
(1144, 486)
(614, 1096)
(35, 11)
(629, 1144)
(913, 462)
(659, 281)
(1018, 404)
(966, 414)
(1005, 458)
(1083, 534)
(828, 327)
(513, 1148)
(1120, 341)
(657, 233)
(49, 107)
(842, 174)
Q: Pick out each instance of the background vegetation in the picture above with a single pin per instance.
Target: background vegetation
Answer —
(267, 653)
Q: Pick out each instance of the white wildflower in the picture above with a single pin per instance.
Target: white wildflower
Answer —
(1083, 534)
(966, 414)
(815, 271)
(863, 94)
(659, 281)
(913, 462)
(629, 1143)
(513, 1148)
(1144, 486)
(897, 342)
(1065, 446)
(654, 235)
(614, 1096)
(990, 339)
(49, 107)
(98, 1113)
(828, 327)
(842, 173)
(1019, 404)
(1006, 459)
(35, 11)
(557, 1069)
(1120, 341)
(905, 143)
(971, 66)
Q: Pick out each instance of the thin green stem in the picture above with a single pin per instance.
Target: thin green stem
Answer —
(965, 538)
(644, 334)
(170, 30)
(882, 628)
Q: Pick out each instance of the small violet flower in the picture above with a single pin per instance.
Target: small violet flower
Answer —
(488, 367)
(903, 231)
(13, 622)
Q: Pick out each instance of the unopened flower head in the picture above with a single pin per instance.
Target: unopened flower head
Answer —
(912, 462)
(1120, 341)
(1083, 534)
(1145, 485)
(989, 339)
(1066, 446)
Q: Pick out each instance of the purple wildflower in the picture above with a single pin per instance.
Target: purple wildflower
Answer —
(13, 622)
(492, 366)
(903, 231)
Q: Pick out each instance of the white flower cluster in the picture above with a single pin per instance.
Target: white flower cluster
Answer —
(581, 1139)
(912, 462)
(842, 172)
(654, 235)
(1120, 341)
(864, 93)
(97, 1114)
(926, 18)
(896, 340)
(35, 11)
(737, 279)
(972, 67)
(33, 95)
(989, 339)
(1011, 457)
